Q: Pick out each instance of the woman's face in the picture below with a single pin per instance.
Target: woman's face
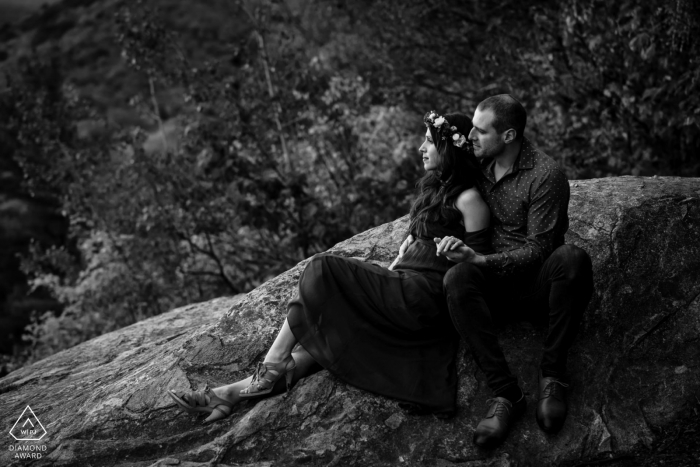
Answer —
(431, 158)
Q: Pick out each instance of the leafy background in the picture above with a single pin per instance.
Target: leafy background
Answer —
(154, 154)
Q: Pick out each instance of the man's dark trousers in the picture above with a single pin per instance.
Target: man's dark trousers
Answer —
(558, 291)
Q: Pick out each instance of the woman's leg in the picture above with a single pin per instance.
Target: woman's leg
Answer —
(278, 363)
(282, 346)
(305, 366)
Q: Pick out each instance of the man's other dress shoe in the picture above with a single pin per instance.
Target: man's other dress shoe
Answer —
(551, 404)
(493, 429)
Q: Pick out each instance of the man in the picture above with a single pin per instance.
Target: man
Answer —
(531, 271)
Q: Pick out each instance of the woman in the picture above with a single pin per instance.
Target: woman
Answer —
(384, 330)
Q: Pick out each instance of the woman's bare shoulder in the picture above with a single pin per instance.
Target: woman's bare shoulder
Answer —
(474, 209)
(470, 199)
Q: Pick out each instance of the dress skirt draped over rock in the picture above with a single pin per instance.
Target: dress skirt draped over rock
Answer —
(384, 331)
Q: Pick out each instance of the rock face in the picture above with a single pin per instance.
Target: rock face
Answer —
(635, 366)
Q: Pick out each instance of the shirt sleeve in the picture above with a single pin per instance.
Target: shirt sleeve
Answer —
(547, 222)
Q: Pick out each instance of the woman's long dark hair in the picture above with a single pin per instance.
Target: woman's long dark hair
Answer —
(438, 189)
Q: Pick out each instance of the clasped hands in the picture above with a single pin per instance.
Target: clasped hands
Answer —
(454, 249)
(451, 248)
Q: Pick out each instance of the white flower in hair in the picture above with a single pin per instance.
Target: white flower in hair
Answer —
(444, 129)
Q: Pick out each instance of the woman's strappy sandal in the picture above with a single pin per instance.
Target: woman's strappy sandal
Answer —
(266, 375)
(203, 401)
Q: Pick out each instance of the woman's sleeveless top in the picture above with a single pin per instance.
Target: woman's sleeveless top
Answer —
(421, 255)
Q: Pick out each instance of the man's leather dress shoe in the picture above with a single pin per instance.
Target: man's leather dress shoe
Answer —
(493, 429)
(551, 404)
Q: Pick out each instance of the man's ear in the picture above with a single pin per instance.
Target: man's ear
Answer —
(509, 136)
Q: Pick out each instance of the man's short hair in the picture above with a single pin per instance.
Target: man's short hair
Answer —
(508, 113)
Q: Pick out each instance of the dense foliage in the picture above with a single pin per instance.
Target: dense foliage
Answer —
(611, 87)
(295, 125)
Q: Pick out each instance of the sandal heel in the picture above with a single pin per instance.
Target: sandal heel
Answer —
(289, 375)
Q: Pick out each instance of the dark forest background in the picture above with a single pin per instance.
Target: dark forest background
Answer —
(154, 154)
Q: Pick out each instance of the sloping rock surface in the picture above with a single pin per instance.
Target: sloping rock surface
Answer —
(635, 365)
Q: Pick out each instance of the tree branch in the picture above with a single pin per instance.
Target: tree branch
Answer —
(265, 59)
(157, 112)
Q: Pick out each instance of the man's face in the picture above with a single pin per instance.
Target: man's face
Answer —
(487, 141)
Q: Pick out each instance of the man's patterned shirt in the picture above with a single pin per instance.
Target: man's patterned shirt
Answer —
(528, 210)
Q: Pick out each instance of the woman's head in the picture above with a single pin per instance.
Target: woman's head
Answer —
(450, 167)
(446, 150)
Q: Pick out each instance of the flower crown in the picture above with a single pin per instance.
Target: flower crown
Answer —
(444, 129)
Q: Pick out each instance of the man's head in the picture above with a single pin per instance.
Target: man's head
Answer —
(498, 121)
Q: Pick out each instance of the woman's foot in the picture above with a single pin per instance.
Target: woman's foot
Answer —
(266, 375)
(217, 402)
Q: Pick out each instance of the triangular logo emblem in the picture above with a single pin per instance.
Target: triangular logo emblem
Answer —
(28, 427)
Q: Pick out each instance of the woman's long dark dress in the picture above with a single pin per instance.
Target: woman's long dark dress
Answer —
(385, 331)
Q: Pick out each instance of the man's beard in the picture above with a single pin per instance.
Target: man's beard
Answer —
(493, 151)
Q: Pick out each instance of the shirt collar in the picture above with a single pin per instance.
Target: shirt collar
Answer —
(526, 158)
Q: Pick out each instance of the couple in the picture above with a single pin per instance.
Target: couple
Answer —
(486, 242)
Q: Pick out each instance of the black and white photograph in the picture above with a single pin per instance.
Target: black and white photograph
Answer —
(366, 233)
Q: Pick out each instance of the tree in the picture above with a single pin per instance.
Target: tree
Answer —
(611, 87)
(251, 177)
(261, 141)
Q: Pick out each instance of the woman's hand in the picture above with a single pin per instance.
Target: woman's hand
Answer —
(454, 249)
(404, 246)
(402, 249)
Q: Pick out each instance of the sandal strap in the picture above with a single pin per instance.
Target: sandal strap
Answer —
(223, 412)
(217, 400)
(199, 398)
(266, 376)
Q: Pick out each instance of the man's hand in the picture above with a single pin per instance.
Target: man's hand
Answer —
(402, 249)
(455, 250)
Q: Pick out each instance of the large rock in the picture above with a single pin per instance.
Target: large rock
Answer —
(635, 365)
